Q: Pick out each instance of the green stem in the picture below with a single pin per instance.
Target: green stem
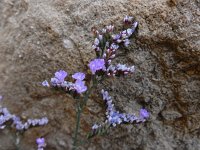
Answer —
(78, 118)
(79, 112)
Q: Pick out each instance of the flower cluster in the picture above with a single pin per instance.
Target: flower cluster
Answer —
(59, 81)
(19, 125)
(110, 53)
(114, 117)
(123, 36)
(101, 43)
(4, 117)
(106, 45)
(119, 69)
(41, 143)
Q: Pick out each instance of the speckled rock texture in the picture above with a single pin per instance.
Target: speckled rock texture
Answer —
(39, 37)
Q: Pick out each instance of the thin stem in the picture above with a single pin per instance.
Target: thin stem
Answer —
(79, 112)
(78, 118)
(94, 82)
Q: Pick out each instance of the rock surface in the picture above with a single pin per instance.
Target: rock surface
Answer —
(38, 37)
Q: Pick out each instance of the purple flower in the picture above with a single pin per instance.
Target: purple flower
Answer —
(126, 42)
(60, 75)
(41, 122)
(16, 119)
(97, 64)
(116, 37)
(144, 114)
(41, 143)
(45, 83)
(19, 125)
(96, 41)
(79, 86)
(95, 126)
(59, 78)
(135, 24)
(78, 76)
(109, 28)
(129, 32)
(128, 19)
(100, 37)
(114, 118)
(114, 46)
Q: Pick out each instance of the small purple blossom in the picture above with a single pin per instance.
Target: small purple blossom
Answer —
(114, 117)
(114, 46)
(95, 126)
(67, 85)
(124, 68)
(119, 69)
(59, 78)
(5, 116)
(19, 125)
(96, 42)
(116, 37)
(41, 122)
(109, 28)
(128, 19)
(144, 114)
(126, 42)
(100, 37)
(30, 122)
(97, 64)
(45, 83)
(129, 32)
(79, 86)
(60, 75)
(41, 143)
(78, 76)
(54, 82)
(135, 24)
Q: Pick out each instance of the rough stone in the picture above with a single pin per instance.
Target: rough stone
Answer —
(38, 37)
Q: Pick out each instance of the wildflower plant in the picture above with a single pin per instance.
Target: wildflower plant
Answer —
(106, 45)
